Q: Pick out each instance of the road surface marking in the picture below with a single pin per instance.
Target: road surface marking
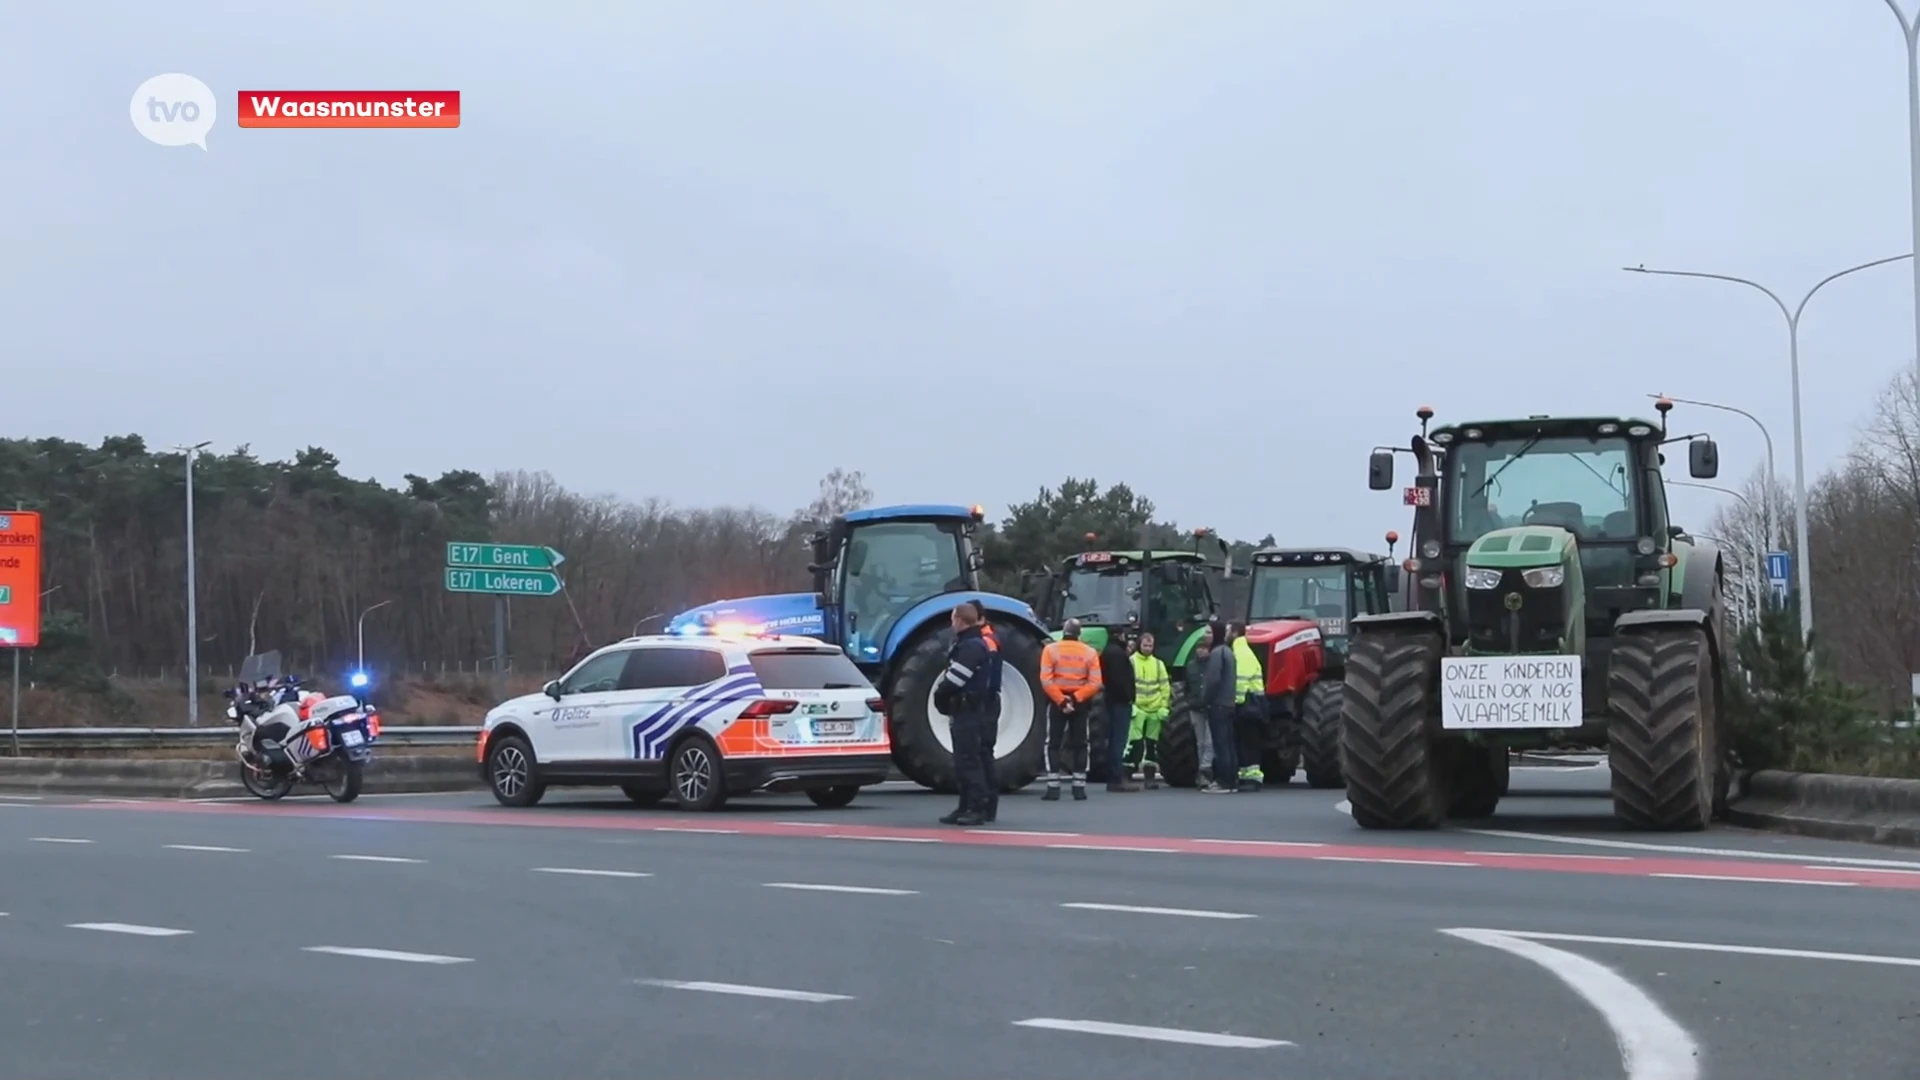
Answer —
(806, 824)
(889, 839)
(1875, 870)
(1704, 946)
(1344, 807)
(1393, 862)
(120, 800)
(1262, 843)
(128, 928)
(1681, 849)
(691, 829)
(1159, 1034)
(20, 798)
(1759, 880)
(1550, 855)
(746, 991)
(1114, 847)
(867, 889)
(1653, 1046)
(1023, 832)
(1191, 913)
(59, 840)
(388, 954)
(375, 858)
(588, 873)
(204, 847)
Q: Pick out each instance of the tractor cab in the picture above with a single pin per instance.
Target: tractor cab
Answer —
(871, 567)
(1167, 593)
(1324, 586)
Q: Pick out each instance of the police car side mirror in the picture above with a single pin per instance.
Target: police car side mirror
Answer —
(552, 689)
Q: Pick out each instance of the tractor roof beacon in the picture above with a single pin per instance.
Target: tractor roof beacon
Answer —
(1551, 602)
(885, 581)
(1166, 593)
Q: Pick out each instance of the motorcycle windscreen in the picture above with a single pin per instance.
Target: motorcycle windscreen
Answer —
(260, 667)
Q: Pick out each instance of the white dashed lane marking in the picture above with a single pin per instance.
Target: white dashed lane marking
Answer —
(589, 873)
(128, 928)
(692, 829)
(59, 840)
(1191, 913)
(1758, 880)
(204, 847)
(376, 858)
(889, 839)
(387, 954)
(1114, 847)
(1158, 1034)
(810, 996)
(867, 889)
(1390, 862)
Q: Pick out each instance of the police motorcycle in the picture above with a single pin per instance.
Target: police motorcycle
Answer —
(291, 735)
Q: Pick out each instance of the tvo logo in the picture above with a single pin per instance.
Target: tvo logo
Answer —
(173, 110)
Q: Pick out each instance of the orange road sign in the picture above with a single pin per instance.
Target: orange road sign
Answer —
(19, 579)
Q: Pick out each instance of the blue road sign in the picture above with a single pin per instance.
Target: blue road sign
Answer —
(1779, 566)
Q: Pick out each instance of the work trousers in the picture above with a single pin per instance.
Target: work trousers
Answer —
(1202, 737)
(1226, 766)
(1250, 739)
(1119, 725)
(1143, 737)
(969, 724)
(1066, 745)
(989, 739)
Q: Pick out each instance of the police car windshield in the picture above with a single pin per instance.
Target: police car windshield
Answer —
(806, 669)
(1300, 592)
(1102, 597)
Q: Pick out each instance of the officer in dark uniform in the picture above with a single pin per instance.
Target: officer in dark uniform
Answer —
(990, 731)
(964, 695)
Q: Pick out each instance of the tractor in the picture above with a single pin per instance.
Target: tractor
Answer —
(1552, 604)
(885, 582)
(1166, 593)
(1323, 588)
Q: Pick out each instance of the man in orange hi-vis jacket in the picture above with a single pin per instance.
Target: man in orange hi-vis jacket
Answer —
(1070, 675)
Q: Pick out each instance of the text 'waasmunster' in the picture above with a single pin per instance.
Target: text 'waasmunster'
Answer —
(349, 109)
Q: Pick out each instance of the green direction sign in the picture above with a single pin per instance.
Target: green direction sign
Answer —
(503, 582)
(503, 557)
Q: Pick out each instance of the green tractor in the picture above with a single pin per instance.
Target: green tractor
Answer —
(1325, 588)
(1552, 603)
(1167, 593)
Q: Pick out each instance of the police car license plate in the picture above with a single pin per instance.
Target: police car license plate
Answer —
(833, 727)
(352, 738)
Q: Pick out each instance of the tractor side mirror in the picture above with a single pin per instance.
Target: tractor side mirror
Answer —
(1380, 470)
(1676, 531)
(1393, 577)
(552, 689)
(1703, 459)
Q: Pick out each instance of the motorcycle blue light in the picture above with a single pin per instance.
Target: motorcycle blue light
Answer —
(358, 679)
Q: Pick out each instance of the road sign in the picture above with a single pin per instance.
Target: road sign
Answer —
(1779, 566)
(503, 557)
(20, 579)
(503, 582)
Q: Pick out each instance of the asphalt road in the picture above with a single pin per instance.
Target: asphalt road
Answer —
(1145, 935)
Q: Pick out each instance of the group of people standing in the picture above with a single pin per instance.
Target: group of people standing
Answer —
(1123, 686)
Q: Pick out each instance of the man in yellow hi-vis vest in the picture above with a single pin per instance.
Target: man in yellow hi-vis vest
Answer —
(1250, 711)
(1153, 698)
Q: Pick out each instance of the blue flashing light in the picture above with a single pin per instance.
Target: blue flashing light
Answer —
(358, 680)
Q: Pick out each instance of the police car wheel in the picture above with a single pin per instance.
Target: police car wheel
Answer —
(833, 798)
(644, 796)
(511, 774)
(698, 784)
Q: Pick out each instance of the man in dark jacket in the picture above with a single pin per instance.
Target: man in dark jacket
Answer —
(1220, 701)
(1116, 674)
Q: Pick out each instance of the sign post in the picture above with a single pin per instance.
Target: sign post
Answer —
(500, 571)
(19, 595)
(1779, 573)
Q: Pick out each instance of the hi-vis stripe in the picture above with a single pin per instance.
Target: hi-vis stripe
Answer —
(650, 734)
(958, 673)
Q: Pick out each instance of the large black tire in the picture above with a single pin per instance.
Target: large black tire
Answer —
(1661, 749)
(833, 798)
(920, 734)
(1396, 775)
(264, 784)
(699, 782)
(1479, 779)
(644, 796)
(1277, 767)
(345, 786)
(1320, 713)
(512, 773)
(1097, 743)
(1180, 746)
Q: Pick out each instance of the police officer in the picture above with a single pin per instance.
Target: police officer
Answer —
(963, 694)
(990, 731)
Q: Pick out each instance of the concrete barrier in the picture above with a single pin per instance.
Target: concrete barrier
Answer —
(1858, 808)
(387, 774)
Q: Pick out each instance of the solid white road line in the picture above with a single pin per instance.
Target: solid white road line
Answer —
(746, 991)
(806, 824)
(1159, 1034)
(691, 829)
(889, 839)
(1114, 847)
(1549, 855)
(388, 954)
(204, 847)
(1703, 946)
(376, 858)
(59, 840)
(1680, 849)
(128, 928)
(1263, 843)
(838, 888)
(1758, 880)
(120, 800)
(1391, 862)
(20, 798)
(1653, 1046)
(588, 873)
(1191, 913)
(1024, 832)
(1344, 807)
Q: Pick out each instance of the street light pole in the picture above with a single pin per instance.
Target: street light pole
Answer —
(1910, 32)
(193, 608)
(360, 636)
(1802, 572)
(1766, 509)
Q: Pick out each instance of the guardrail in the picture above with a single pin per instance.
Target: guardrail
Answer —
(133, 738)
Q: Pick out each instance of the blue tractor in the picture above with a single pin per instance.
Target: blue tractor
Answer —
(885, 581)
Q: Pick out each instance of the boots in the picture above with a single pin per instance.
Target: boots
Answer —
(1052, 795)
(1150, 776)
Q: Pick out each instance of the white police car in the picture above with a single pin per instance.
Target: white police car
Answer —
(697, 716)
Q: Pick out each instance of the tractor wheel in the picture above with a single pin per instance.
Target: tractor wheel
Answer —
(1320, 715)
(1277, 766)
(1180, 746)
(1479, 779)
(1660, 735)
(1097, 743)
(922, 739)
(1396, 775)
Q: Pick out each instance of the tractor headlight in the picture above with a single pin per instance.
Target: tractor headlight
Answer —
(1546, 577)
(1482, 579)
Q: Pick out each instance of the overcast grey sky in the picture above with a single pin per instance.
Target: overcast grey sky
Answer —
(709, 250)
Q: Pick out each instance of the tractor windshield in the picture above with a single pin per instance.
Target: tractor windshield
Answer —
(891, 566)
(1318, 593)
(1109, 597)
(1584, 485)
